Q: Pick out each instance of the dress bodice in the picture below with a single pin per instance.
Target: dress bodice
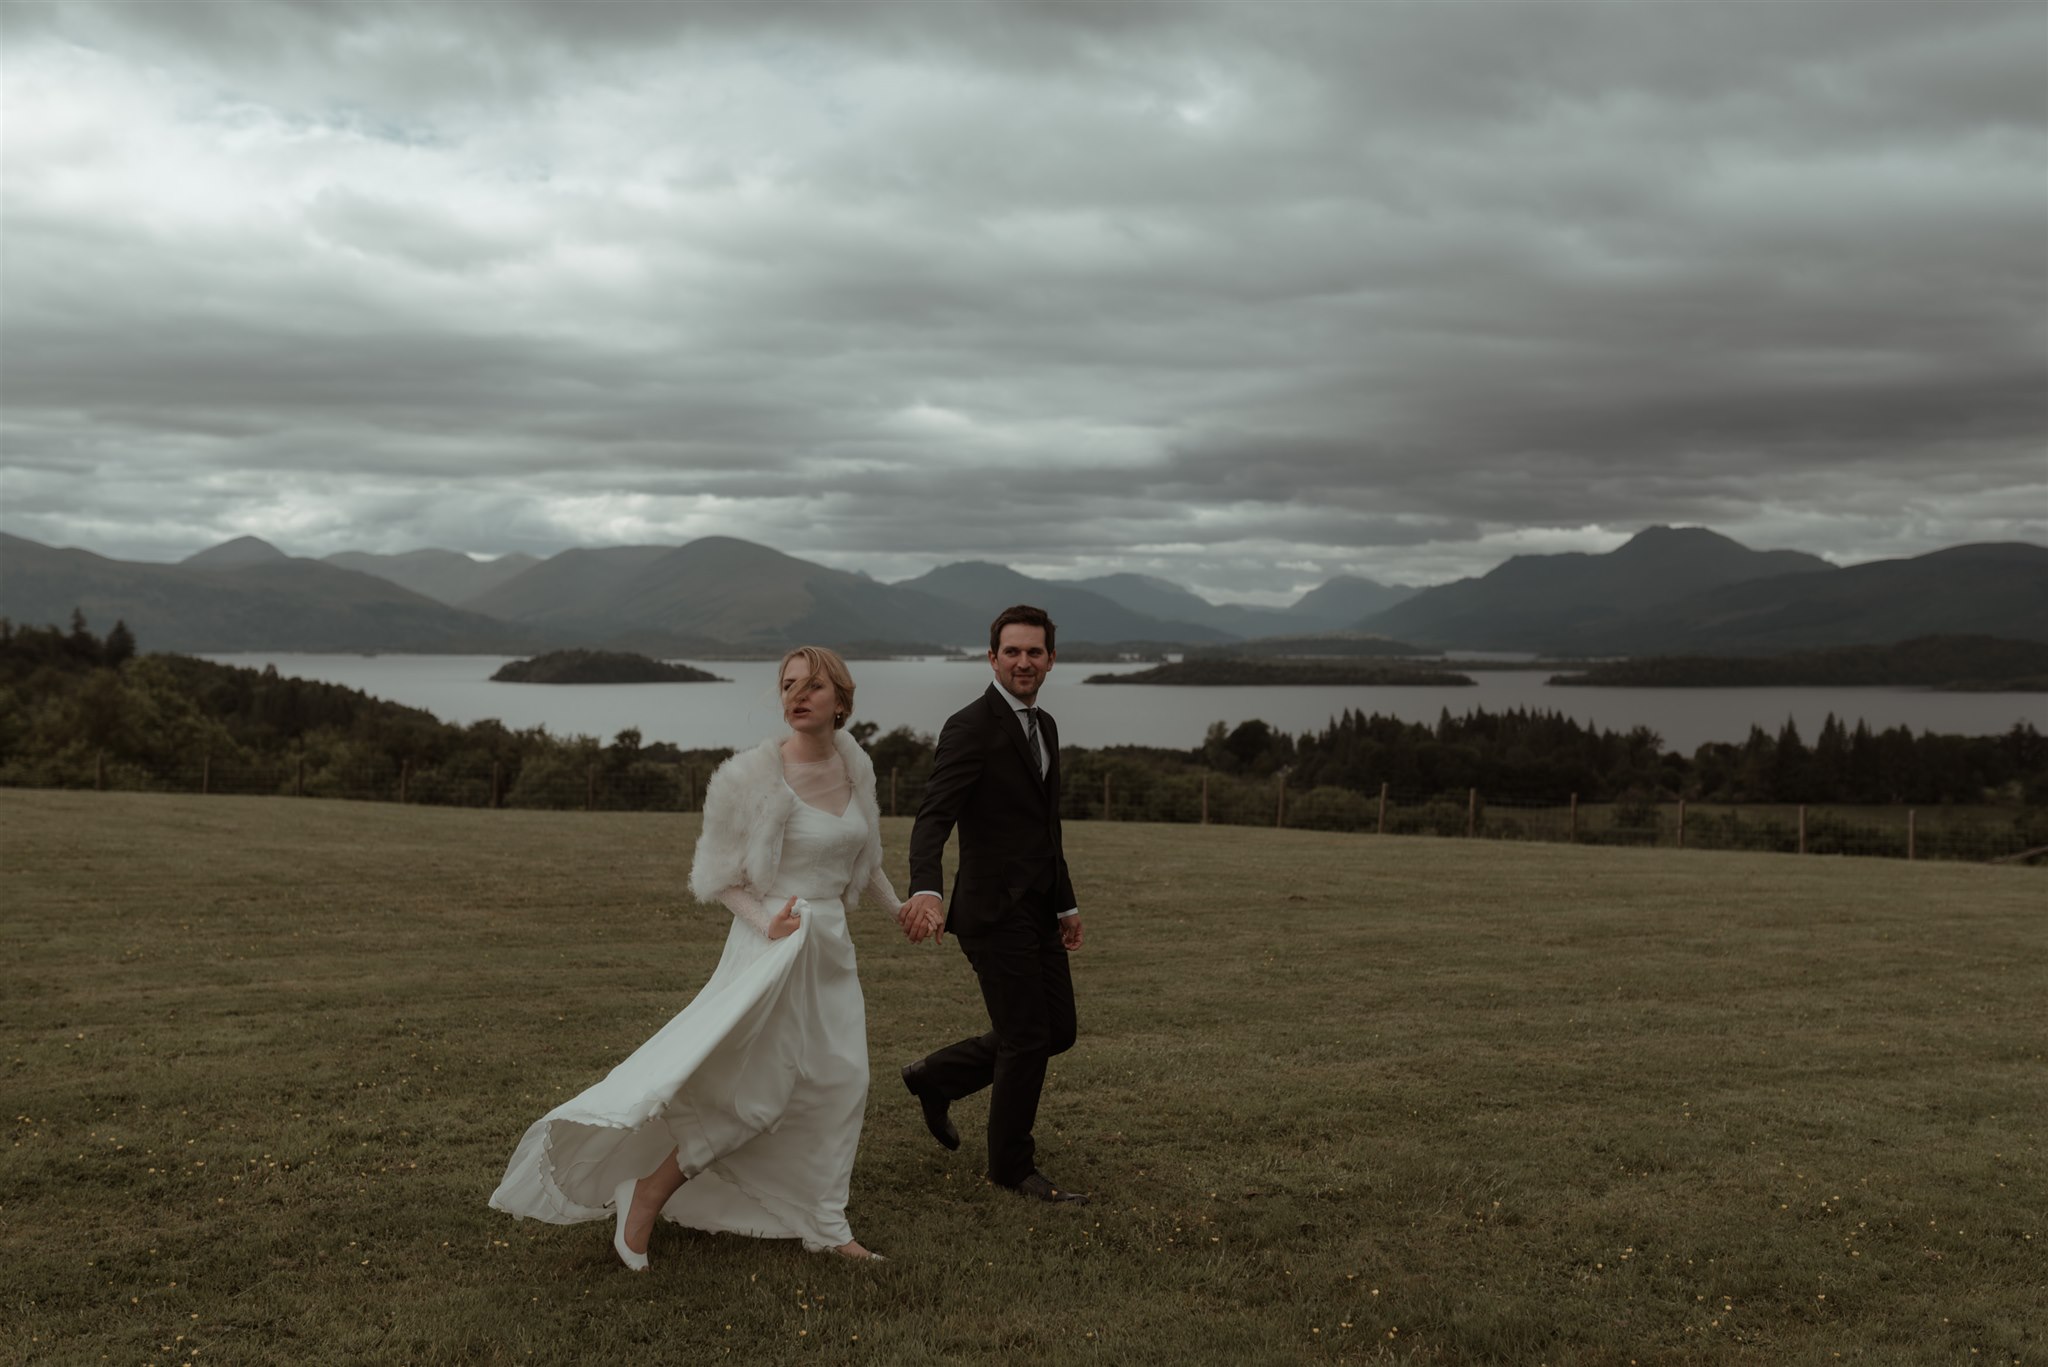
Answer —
(818, 850)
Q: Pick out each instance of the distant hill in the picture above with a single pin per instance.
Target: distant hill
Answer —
(255, 602)
(723, 589)
(1081, 614)
(570, 588)
(1335, 604)
(445, 576)
(1994, 589)
(1169, 602)
(1346, 599)
(599, 667)
(1557, 603)
(739, 591)
(237, 554)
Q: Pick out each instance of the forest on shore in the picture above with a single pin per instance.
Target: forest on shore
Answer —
(80, 710)
(1957, 663)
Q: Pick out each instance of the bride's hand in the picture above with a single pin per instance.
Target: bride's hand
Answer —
(786, 921)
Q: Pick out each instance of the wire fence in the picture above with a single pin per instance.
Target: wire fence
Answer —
(1993, 832)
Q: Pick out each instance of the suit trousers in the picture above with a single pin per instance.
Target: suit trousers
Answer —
(1030, 998)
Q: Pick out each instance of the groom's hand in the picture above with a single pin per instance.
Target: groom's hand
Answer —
(921, 917)
(1070, 931)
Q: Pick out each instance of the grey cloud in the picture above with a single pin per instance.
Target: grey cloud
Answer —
(1197, 288)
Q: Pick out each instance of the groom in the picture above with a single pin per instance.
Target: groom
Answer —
(996, 775)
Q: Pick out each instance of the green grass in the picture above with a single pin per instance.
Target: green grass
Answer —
(1341, 1098)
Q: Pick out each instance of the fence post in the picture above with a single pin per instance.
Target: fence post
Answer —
(1802, 828)
(1105, 797)
(99, 772)
(1575, 819)
(299, 783)
(1910, 832)
(1280, 811)
(1681, 823)
(1382, 830)
(892, 790)
(1471, 812)
(590, 789)
(404, 779)
(1205, 797)
(205, 775)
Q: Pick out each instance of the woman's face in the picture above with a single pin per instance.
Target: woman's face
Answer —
(807, 703)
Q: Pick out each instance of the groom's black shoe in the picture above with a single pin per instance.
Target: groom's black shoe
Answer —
(935, 1118)
(1039, 1188)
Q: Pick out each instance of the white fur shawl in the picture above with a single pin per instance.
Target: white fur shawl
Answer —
(746, 808)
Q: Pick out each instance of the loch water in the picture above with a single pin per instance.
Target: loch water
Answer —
(920, 693)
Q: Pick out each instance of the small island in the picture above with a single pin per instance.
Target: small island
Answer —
(1214, 673)
(599, 667)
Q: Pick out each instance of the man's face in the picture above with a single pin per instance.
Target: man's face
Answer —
(1021, 661)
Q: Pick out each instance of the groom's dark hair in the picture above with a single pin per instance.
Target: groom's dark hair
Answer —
(1023, 615)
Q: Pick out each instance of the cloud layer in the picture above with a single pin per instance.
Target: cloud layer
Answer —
(1243, 294)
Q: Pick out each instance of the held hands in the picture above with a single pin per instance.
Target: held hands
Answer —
(786, 921)
(923, 917)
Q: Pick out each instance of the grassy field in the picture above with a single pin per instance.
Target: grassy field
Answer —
(1341, 1098)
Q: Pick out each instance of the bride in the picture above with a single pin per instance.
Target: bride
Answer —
(742, 1114)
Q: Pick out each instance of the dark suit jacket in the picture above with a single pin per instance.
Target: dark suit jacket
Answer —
(985, 781)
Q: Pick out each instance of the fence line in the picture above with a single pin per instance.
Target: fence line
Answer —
(1988, 832)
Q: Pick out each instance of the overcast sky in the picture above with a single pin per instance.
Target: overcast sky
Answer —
(1244, 295)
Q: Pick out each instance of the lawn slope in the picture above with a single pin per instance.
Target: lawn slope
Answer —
(1341, 1098)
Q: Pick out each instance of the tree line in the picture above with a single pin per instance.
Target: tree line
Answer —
(1985, 663)
(76, 709)
(1332, 777)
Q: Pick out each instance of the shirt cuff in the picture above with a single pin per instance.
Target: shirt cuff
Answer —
(1071, 911)
(927, 893)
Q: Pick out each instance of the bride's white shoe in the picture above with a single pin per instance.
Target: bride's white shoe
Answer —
(864, 1256)
(623, 1198)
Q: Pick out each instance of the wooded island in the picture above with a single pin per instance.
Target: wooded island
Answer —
(599, 667)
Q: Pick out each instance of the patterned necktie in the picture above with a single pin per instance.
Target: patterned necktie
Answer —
(1031, 733)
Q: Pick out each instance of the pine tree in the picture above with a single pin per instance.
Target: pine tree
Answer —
(120, 647)
(81, 643)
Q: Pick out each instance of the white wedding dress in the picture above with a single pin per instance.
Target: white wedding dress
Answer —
(760, 1084)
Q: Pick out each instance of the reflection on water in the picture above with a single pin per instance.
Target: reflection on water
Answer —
(921, 693)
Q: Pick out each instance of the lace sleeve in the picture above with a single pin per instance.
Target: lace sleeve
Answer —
(880, 886)
(749, 908)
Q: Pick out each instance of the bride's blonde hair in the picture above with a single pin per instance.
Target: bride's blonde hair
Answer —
(822, 664)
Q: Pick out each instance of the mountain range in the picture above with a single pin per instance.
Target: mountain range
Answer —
(1666, 590)
(1547, 603)
(446, 576)
(244, 595)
